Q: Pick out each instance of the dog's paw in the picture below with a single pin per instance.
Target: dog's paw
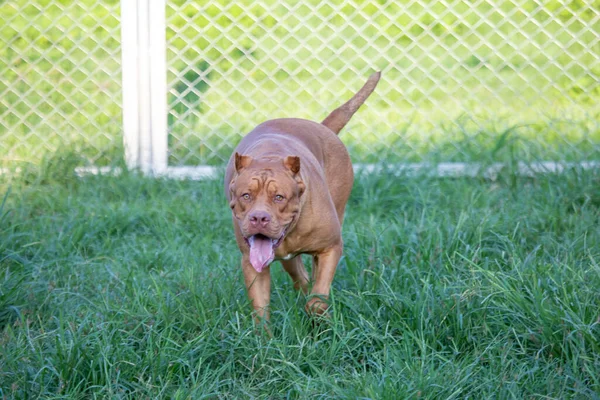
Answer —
(317, 306)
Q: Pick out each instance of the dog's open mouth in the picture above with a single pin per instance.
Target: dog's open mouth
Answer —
(262, 250)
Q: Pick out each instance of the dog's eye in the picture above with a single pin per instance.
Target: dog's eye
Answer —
(246, 196)
(278, 198)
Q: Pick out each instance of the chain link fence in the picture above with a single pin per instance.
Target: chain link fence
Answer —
(60, 82)
(463, 80)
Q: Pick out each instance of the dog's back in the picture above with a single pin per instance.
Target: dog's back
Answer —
(317, 145)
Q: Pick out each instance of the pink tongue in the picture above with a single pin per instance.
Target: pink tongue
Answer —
(261, 252)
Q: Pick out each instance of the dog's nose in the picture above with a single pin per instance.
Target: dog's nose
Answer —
(260, 218)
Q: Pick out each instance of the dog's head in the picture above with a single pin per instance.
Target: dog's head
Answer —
(265, 198)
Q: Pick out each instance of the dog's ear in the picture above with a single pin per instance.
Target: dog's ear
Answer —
(292, 163)
(241, 161)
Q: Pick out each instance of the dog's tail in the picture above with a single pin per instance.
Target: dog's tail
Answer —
(341, 115)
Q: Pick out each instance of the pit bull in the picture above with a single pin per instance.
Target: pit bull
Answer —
(287, 184)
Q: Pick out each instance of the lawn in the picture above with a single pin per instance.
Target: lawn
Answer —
(128, 287)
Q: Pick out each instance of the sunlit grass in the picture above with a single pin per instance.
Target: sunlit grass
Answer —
(127, 287)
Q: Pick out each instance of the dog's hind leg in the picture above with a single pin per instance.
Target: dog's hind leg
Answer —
(295, 267)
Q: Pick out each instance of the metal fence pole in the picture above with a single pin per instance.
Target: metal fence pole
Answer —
(144, 85)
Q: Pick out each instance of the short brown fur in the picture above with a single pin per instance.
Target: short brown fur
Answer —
(309, 168)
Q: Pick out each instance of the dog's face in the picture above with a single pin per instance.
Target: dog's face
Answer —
(265, 199)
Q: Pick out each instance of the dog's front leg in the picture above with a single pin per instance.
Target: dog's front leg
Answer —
(324, 266)
(258, 285)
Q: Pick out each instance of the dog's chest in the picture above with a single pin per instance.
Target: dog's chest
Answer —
(287, 256)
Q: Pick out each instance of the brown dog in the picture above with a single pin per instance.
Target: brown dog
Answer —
(287, 183)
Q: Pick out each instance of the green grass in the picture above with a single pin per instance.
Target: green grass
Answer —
(126, 287)
(453, 82)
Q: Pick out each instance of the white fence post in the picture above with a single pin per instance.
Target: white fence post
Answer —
(143, 41)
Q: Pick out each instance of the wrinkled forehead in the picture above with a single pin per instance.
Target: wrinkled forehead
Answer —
(263, 179)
